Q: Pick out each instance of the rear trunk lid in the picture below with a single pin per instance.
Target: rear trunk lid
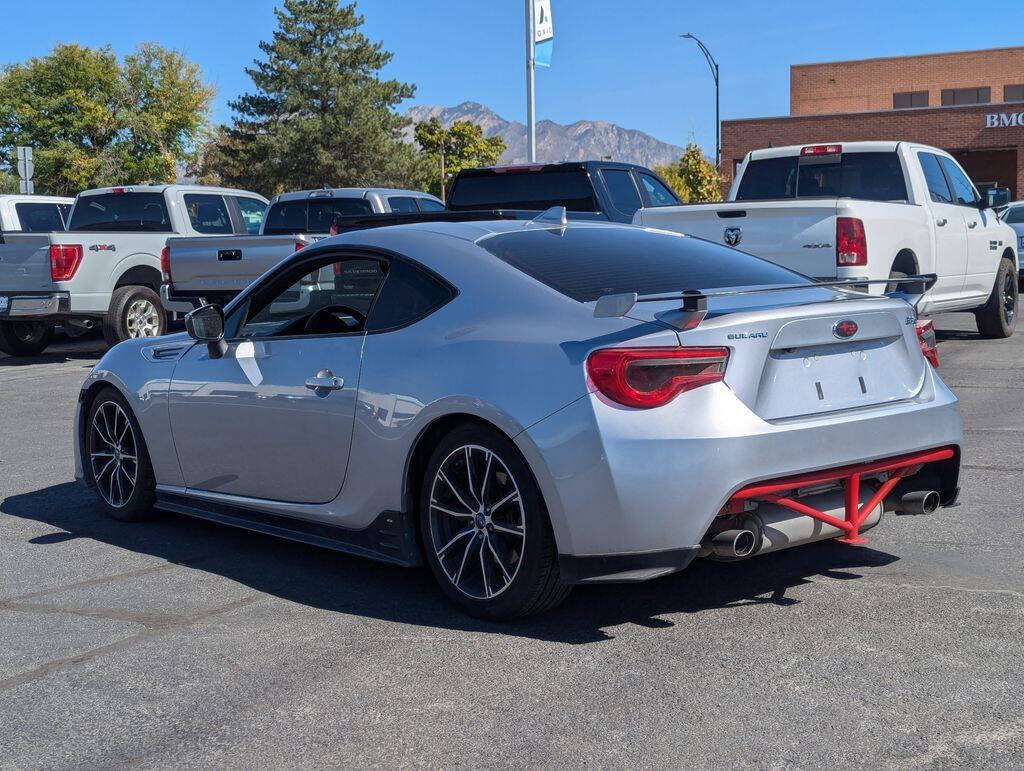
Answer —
(799, 235)
(25, 263)
(793, 355)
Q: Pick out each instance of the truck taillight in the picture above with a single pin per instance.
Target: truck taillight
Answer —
(652, 377)
(851, 243)
(165, 264)
(298, 245)
(926, 337)
(64, 261)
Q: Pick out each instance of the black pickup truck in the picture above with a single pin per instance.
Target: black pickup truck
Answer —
(596, 190)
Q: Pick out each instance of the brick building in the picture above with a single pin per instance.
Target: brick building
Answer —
(969, 103)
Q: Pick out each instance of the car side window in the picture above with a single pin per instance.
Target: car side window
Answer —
(963, 188)
(429, 204)
(655, 193)
(252, 210)
(330, 295)
(409, 294)
(623, 192)
(402, 203)
(938, 188)
(208, 213)
(39, 217)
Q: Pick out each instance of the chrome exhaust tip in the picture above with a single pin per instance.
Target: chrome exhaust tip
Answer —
(733, 544)
(919, 502)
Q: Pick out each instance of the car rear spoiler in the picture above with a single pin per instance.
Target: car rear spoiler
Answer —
(614, 305)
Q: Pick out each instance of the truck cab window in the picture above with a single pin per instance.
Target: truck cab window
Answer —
(208, 213)
(963, 188)
(252, 211)
(622, 190)
(938, 188)
(655, 193)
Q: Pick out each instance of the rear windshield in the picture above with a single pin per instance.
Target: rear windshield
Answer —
(142, 212)
(41, 217)
(525, 190)
(867, 176)
(311, 215)
(586, 262)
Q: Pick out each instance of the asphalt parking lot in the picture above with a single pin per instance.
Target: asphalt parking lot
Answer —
(177, 642)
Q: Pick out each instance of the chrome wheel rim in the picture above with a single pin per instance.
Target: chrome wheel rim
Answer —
(1009, 297)
(113, 454)
(142, 319)
(477, 522)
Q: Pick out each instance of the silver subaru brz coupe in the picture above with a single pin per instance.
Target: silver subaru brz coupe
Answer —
(524, 406)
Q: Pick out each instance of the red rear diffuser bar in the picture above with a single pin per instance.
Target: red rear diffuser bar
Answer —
(901, 466)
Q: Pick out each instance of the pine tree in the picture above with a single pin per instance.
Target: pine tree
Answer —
(319, 114)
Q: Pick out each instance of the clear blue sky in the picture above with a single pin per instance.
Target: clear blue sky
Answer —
(613, 60)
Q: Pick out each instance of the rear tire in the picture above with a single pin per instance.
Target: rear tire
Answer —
(485, 530)
(116, 459)
(998, 317)
(25, 338)
(135, 311)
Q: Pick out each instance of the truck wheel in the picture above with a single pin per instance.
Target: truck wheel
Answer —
(25, 338)
(135, 311)
(998, 317)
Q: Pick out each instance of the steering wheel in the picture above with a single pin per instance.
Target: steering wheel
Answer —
(325, 320)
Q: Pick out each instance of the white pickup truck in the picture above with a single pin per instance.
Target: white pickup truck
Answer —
(106, 267)
(201, 270)
(869, 211)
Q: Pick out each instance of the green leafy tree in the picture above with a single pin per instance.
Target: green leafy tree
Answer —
(693, 177)
(461, 146)
(93, 121)
(320, 112)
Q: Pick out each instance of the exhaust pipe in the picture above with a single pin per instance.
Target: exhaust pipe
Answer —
(733, 544)
(918, 502)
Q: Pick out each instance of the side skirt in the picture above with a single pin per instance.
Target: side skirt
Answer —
(389, 538)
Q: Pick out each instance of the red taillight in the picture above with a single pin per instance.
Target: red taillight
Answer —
(926, 337)
(821, 150)
(651, 377)
(851, 243)
(64, 261)
(119, 190)
(165, 264)
(298, 245)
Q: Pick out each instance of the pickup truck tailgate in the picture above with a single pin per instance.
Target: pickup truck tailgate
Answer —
(799, 236)
(25, 263)
(226, 263)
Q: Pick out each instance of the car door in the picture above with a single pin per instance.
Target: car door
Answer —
(272, 417)
(950, 230)
(982, 232)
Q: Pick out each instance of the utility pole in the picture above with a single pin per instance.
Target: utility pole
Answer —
(531, 126)
(714, 74)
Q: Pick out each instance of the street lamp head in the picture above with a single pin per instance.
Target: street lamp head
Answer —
(686, 35)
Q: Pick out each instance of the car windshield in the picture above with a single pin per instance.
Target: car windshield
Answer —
(1014, 215)
(867, 176)
(143, 212)
(586, 262)
(523, 190)
(311, 215)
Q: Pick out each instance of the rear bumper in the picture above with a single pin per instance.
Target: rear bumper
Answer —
(173, 302)
(35, 306)
(628, 482)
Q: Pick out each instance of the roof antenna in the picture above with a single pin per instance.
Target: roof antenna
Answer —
(554, 216)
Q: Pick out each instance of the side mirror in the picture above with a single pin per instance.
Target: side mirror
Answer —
(997, 197)
(206, 324)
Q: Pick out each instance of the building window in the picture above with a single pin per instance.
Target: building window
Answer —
(1013, 93)
(956, 96)
(907, 99)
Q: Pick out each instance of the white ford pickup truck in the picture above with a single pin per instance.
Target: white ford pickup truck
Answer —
(33, 213)
(106, 267)
(870, 211)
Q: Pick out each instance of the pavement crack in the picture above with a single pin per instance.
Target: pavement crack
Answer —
(128, 642)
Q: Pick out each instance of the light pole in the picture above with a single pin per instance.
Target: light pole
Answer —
(714, 73)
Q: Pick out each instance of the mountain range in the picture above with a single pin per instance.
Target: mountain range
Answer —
(584, 139)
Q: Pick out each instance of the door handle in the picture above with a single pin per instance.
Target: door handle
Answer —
(324, 381)
(229, 254)
(972, 224)
(941, 222)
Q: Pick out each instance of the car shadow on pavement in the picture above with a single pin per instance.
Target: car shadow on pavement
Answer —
(339, 583)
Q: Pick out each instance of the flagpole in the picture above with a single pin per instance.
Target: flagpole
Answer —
(531, 127)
